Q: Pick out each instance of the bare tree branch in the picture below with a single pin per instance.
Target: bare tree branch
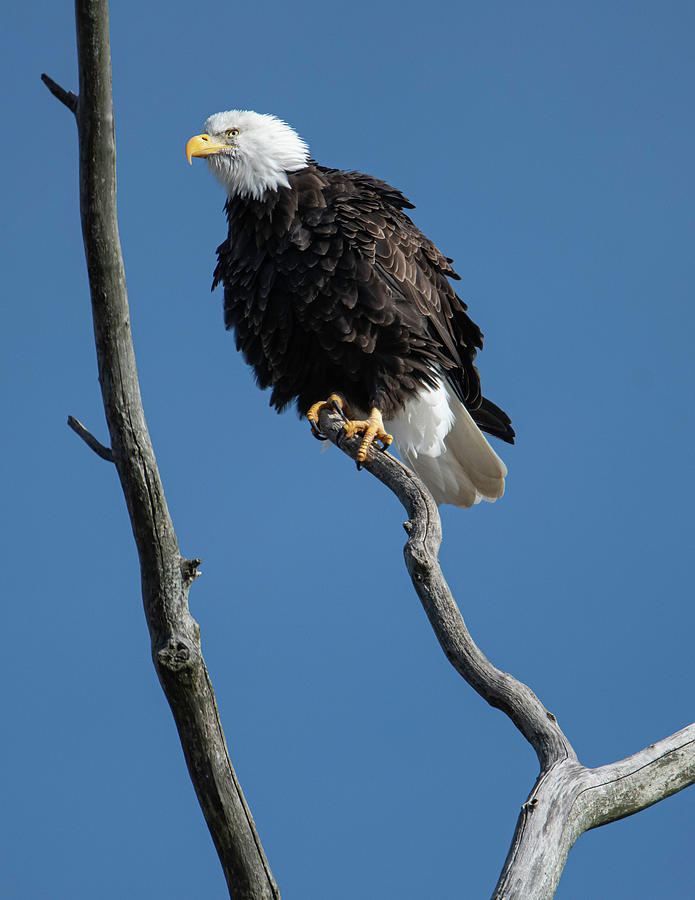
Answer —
(421, 551)
(89, 439)
(567, 798)
(166, 576)
(570, 799)
(630, 785)
(67, 98)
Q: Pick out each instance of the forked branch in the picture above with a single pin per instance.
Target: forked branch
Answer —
(567, 798)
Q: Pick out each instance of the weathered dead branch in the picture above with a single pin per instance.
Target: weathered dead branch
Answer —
(567, 798)
(166, 575)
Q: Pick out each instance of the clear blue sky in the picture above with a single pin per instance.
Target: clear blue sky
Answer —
(549, 148)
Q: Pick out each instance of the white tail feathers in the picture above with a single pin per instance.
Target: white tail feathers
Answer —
(436, 435)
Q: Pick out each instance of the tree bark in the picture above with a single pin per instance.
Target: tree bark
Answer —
(165, 575)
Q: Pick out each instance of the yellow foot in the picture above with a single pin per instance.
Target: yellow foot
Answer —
(372, 430)
(335, 401)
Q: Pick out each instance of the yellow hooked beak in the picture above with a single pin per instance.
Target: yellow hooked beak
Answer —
(202, 145)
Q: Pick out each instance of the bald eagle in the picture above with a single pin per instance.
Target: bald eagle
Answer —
(336, 298)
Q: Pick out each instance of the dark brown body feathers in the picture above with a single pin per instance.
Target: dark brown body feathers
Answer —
(330, 288)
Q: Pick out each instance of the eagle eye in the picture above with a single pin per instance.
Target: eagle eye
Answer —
(232, 132)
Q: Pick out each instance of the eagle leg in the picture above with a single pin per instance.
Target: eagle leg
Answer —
(372, 430)
(335, 402)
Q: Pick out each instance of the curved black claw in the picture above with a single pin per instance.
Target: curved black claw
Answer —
(340, 412)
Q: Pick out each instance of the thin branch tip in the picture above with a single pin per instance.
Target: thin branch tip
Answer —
(67, 98)
(89, 439)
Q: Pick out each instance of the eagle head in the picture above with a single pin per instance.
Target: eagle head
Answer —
(249, 152)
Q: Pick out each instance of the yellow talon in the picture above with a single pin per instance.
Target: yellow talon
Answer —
(372, 429)
(335, 401)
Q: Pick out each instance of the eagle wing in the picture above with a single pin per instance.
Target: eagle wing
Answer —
(417, 275)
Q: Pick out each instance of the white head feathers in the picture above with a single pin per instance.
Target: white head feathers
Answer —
(259, 150)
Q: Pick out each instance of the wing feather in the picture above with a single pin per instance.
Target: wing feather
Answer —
(416, 273)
